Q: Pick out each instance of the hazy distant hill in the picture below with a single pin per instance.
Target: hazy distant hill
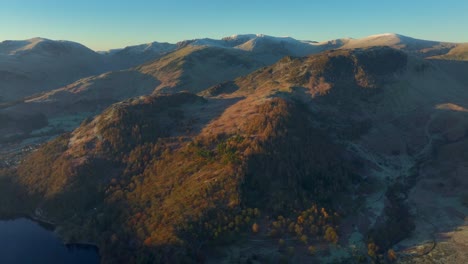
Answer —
(132, 56)
(36, 65)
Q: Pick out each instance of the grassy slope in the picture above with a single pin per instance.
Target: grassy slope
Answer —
(460, 52)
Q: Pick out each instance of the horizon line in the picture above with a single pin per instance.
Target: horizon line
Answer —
(221, 38)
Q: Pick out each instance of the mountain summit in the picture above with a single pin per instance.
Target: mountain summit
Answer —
(41, 45)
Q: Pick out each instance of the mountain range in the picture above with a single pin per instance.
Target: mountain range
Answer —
(36, 65)
(192, 65)
(251, 148)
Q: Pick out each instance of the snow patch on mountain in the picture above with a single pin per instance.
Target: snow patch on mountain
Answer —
(150, 47)
(389, 39)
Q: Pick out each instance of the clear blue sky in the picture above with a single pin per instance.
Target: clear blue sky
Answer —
(102, 24)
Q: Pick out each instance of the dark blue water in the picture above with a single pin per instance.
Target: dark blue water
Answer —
(23, 241)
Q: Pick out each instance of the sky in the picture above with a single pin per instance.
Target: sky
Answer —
(103, 24)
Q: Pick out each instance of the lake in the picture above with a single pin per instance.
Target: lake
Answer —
(23, 241)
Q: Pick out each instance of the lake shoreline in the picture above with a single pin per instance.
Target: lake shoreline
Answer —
(52, 227)
(25, 233)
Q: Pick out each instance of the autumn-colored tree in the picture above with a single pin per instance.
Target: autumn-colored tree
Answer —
(281, 243)
(311, 250)
(255, 228)
(331, 235)
(147, 242)
(391, 255)
(300, 219)
(372, 249)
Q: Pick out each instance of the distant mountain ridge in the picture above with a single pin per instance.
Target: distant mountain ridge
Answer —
(64, 62)
(252, 42)
(12, 47)
(62, 77)
(38, 64)
(235, 41)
